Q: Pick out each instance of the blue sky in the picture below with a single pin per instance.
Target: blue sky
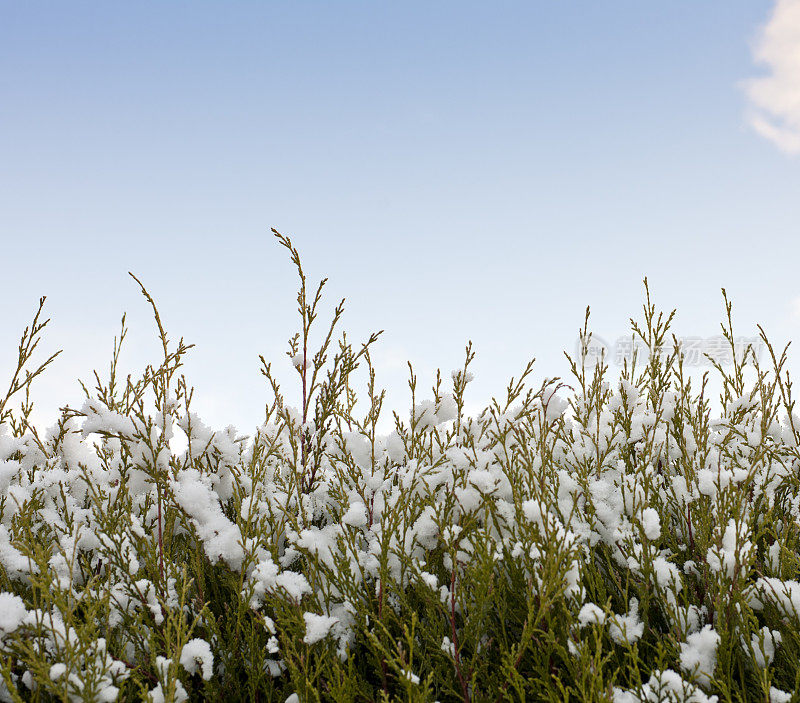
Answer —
(458, 170)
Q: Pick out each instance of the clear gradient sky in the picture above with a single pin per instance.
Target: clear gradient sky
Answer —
(458, 170)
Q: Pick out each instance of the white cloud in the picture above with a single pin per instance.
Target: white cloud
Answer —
(775, 97)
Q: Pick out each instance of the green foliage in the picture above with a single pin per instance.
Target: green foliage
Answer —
(597, 540)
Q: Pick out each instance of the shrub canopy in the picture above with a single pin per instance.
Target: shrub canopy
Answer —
(589, 539)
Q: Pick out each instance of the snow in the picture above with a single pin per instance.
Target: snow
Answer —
(14, 561)
(591, 614)
(776, 695)
(651, 523)
(764, 643)
(356, 515)
(667, 575)
(699, 654)
(784, 594)
(221, 538)
(57, 671)
(297, 361)
(734, 552)
(627, 628)
(99, 418)
(156, 695)
(265, 578)
(197, 651)
(317, 627)
(12, 612)
(665, 686)
(411, 676)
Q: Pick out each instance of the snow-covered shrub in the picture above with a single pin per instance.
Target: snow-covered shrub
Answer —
(590, 539)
